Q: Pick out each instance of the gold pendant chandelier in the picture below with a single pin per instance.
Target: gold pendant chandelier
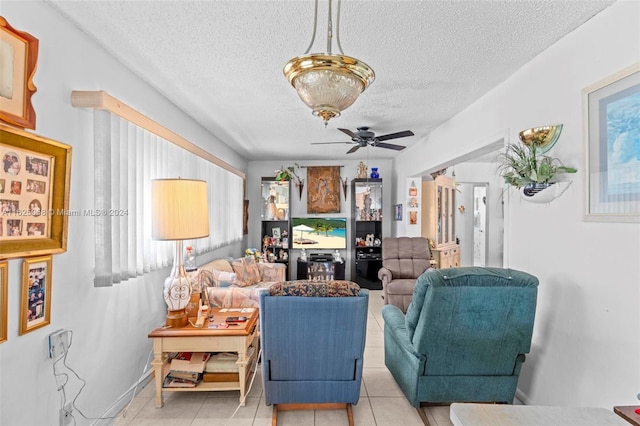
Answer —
(328, 83)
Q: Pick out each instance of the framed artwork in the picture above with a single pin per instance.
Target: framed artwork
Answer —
(35, 299)
(4, 278)
(413, 217)
(276, 232)
(245, 217)
(18, 59)
(612, 131)
(323, 189)
(397, 212)
(34, 194)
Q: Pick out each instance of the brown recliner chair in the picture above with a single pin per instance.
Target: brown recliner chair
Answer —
(404, 259)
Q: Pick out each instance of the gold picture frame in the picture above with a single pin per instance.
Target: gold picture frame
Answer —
(4, 284)
(19, 52)
(35, 297)
(34, 194)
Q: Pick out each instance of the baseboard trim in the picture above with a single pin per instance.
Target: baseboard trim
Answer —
(520, 398)
(117, 406)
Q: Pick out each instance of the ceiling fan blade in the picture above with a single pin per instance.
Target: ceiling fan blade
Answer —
(395, 135)
(348, 132)
(354, 149)
(325, 143)
(390, 146)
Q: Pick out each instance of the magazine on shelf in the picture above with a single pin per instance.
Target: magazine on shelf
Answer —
(191, 362)
(176, 382)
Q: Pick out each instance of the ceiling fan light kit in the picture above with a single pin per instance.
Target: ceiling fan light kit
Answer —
(328, 83)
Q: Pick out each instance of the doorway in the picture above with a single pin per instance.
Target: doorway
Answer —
(480, 233)
(486, 245)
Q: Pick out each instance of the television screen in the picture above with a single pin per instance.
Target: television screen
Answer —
(319, 232)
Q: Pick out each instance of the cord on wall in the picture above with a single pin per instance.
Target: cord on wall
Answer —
(67, 408)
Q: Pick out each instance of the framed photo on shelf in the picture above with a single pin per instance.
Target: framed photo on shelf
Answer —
(34, 194)
(35, 299)
(4, 278)
(19, 57)
(611, 108)
(276, 232)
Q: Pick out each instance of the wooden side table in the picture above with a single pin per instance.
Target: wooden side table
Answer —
(241, 339)
(629, 413)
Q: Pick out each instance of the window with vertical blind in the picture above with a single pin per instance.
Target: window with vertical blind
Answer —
(126, 159)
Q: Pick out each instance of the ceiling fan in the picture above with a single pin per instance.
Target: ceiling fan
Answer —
(364, 137)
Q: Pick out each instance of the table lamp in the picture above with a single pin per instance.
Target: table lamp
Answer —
(180, 212)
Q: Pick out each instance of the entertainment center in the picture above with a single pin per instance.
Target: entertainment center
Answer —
(283, 235)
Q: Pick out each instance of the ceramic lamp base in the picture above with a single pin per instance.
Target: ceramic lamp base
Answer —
(177, 319)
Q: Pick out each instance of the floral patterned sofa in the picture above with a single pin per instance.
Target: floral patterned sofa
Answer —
(236, 282)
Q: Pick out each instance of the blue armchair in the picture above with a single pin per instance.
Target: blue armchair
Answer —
(464, 336)
(312, 341)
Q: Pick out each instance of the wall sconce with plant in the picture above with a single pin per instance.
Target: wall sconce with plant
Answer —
(289, 173)
(525, 167)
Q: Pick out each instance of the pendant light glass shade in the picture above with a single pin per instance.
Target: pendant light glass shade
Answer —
(328, 83)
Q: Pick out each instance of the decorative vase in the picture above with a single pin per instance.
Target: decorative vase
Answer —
(374, 173)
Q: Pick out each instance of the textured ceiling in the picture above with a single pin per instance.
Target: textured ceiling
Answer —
(221, 61)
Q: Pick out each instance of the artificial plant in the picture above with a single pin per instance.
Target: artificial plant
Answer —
(521, 165)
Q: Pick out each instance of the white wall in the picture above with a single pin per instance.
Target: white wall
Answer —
(586, 345)
(110, 325)
(298, 208)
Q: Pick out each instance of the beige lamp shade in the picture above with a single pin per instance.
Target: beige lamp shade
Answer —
(180, 209)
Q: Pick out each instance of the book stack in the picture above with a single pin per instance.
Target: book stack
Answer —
(186, 370)
(222, 367)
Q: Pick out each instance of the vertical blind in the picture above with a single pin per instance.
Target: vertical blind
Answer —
(126, 159)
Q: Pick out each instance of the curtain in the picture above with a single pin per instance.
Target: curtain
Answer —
(126, 159)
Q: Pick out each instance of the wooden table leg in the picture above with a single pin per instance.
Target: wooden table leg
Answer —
(242, 376)
(158, 367)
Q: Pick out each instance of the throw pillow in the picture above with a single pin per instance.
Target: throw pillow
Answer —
(246, 271)
(204, 279)
(254, 271)
(315, 288)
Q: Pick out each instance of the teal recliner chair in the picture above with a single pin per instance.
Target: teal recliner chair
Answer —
(312, 336)
(464, 336)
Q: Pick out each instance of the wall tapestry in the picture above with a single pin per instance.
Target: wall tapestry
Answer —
(323, 189)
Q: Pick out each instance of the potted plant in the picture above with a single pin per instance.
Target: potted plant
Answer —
(523, 167)
(289, 173)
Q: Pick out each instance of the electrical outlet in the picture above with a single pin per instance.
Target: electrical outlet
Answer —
(58, 343)
(66, 414)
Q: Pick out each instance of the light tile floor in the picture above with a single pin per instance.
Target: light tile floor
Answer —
(381, 400)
